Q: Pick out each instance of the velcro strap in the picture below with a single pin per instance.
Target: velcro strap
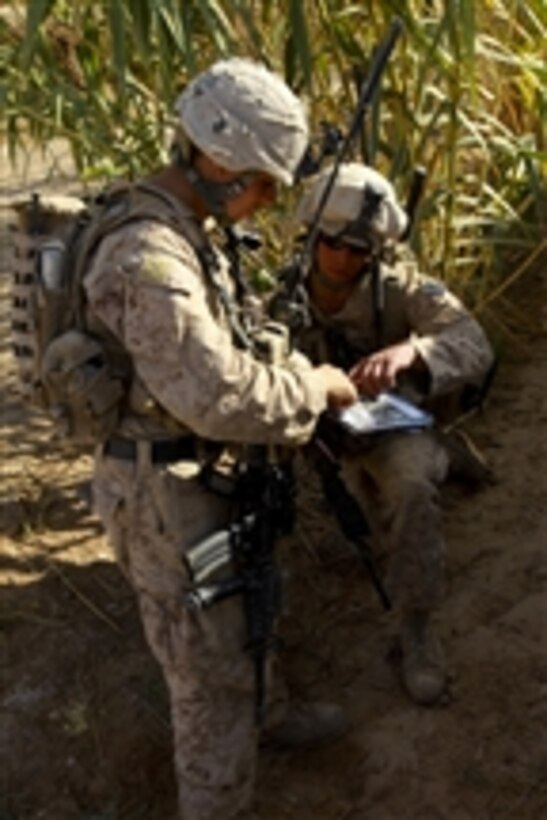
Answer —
(161, 452)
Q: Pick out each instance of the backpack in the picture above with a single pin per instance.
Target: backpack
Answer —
(79, 377)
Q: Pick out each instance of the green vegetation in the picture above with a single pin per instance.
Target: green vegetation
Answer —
(464, 95)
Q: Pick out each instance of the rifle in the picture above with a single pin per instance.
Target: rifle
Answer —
(240, 559)
(346, 509)
(290, 304)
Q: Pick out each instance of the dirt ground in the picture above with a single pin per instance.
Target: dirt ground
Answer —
(84, 724)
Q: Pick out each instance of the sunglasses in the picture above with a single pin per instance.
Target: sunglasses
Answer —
(338, 243)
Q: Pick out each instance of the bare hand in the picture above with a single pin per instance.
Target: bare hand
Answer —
(341, 392)
(379, 372)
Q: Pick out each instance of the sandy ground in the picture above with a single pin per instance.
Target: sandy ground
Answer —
(84, 725)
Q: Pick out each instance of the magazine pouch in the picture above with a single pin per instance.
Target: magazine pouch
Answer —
(83, 392)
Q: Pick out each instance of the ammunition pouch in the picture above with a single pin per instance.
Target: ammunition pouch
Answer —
(271, 343)
(83, 392)
(218, 481)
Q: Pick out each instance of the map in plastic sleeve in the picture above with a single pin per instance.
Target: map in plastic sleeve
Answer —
(386, 412)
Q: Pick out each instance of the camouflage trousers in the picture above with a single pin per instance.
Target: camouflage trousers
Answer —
(152, 514)
(396, 478)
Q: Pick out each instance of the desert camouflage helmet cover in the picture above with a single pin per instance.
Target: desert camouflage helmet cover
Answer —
(245, 118)
(361, 207)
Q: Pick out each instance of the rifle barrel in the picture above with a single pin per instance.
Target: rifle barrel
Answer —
(380, 59)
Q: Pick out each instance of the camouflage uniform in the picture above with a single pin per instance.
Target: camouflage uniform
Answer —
(147, 287)
(396, 476)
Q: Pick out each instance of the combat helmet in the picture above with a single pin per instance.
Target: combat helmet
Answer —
(244, 117)
(361, 208)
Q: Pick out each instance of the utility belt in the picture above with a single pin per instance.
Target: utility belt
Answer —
(213, 476)
(165, 451)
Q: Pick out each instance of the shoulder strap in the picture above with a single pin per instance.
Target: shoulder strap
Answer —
(378, 303)
(183, 220)
(127, 202)
(118, 206)
(186, 224)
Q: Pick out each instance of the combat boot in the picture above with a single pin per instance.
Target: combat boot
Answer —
(423, 665)
(307, 724)
(467, 464)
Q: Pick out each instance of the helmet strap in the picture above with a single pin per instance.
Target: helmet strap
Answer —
(215, 194)
(378, 303)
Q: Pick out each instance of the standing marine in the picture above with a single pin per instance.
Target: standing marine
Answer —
(159, 292)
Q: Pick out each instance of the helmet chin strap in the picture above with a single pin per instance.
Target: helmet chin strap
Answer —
(215, 194)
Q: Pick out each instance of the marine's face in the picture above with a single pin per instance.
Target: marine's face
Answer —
(261, 192)
(338, 261)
